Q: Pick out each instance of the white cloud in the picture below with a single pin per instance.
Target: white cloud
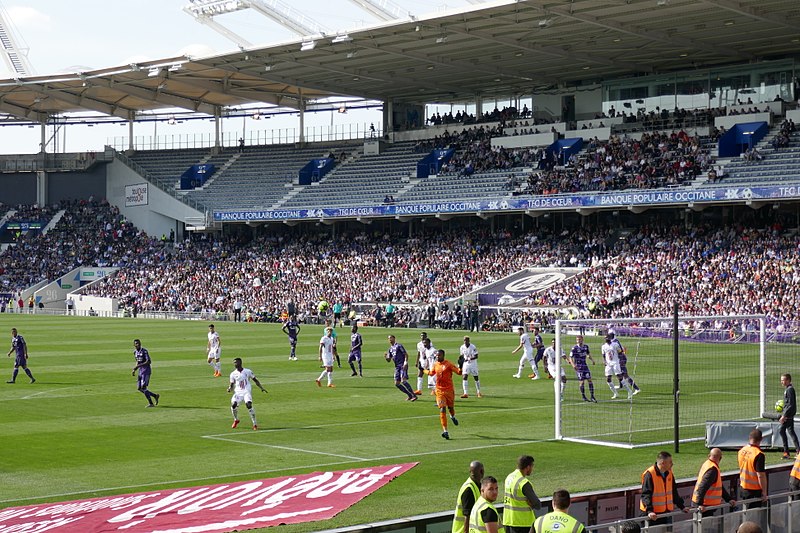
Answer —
(28, 17)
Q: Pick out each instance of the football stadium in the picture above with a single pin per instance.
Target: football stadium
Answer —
(553, 275)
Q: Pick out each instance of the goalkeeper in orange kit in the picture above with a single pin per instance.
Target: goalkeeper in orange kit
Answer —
(445, 395)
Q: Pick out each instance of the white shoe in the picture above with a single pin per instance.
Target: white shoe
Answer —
(515, 376)
(535, 377)
(614, 397)
(637, 391)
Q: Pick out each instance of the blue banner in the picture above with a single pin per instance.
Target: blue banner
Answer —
(612, 200)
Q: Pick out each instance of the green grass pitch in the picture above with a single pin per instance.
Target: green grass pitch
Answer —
(82, 431)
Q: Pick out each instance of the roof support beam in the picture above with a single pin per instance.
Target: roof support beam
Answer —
(757, 14)
(156, 96)
(83, 101)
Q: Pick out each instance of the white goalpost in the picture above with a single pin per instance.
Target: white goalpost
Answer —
(716, 368)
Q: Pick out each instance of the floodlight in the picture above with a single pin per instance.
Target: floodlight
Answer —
(308, 45)
(344, 38)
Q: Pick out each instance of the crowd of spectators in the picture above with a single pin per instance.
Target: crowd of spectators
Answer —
(89, 233)
(495, 115)
(709, 270)
(784, 135)
(655, 160)
(204, 275)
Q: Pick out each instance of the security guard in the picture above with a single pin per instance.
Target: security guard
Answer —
(659, 493)
(752, 473)
(484, 517)
(468, 494)
(708, 491)
(558, 521)
(520, 500)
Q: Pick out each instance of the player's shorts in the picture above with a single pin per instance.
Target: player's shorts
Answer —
(623, 367)
(539, 355)
(292, 341)
(613, 369)
(143, 380)
(241, 398)
(214, 354)
(526, 357)
(470, 368)
(400, 374)
(552, 371)
(20, 361)
(583, 374)
(354, 356)
(327, 359)
(337, 316)
(445, 398)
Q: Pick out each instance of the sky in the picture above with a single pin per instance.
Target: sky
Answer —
(70, 36)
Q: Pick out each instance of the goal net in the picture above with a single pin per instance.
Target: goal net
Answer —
(724, 369)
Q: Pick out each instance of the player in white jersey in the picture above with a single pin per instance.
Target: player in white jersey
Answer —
(326, 355)
(214, 349)
(242, 391)
(527, 352)
(469, 353)
(550, 363)
(422, 361)
(611, 359)
(430, 358)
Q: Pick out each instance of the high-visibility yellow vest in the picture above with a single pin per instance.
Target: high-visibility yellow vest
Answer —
(516, 510)
(476, 523)
(557, 522)
(459, 519)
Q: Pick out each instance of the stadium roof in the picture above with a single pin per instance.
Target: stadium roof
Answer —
(498, 48)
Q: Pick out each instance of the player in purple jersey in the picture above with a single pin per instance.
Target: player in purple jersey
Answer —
(19, 346)
(292, 329)
(398, 354)
(538, 345)
(143, 366)
(355, 350)
(577, 358)
(623, 363)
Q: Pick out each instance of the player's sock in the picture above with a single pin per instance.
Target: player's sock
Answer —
(322, 375)
(520, 369)
(217, 366)
(583, 391)
(419, 383)
(252, 412)
(477, 386)
(563, 386)
(360, 370)
(591, 390)
(291, 354)
(633, 384)
(403, 390)
(611, 386)
(338, 362)
(28, 371)
(408, 389)
(627, 387)
(464, 384)
(14, 375)
(235, 413)
(443, 420)
(352, 367)
(431, 382)
(330, 377)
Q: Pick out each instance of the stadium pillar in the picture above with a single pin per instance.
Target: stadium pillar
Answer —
(387, 117)
(302, 108)
(41, 187)
(675, 381)
(130, 132)
(216, 127)
(478, 105)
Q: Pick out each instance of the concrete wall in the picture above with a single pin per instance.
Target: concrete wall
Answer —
(162, 213)
(76, 185)
(19, 188)
(729, 122)
(517, 141)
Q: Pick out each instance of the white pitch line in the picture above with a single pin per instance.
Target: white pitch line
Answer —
(270, 471)
(35, 394)
(301, 450)
(383, 420)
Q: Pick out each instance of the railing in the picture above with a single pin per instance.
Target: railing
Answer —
(136, 167)
(230, 139)
(47, 162)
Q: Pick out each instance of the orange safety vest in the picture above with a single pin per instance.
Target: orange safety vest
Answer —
(748, 478)
(795, 473)
(662, 491)
(713, 495)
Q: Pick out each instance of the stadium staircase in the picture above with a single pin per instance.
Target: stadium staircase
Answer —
(778, 166)
(367, 180)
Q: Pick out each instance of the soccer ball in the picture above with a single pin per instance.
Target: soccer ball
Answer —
(779, 406)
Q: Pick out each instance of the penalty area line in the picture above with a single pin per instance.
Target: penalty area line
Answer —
(288, 448)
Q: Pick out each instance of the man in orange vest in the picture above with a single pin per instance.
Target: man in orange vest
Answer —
(752, 471)
(659, 492)
(709, 491)
(794, 475)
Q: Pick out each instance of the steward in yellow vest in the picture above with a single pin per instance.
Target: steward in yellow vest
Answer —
(484, 518)
(468, 494)
(558, 521)
(520, 500)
